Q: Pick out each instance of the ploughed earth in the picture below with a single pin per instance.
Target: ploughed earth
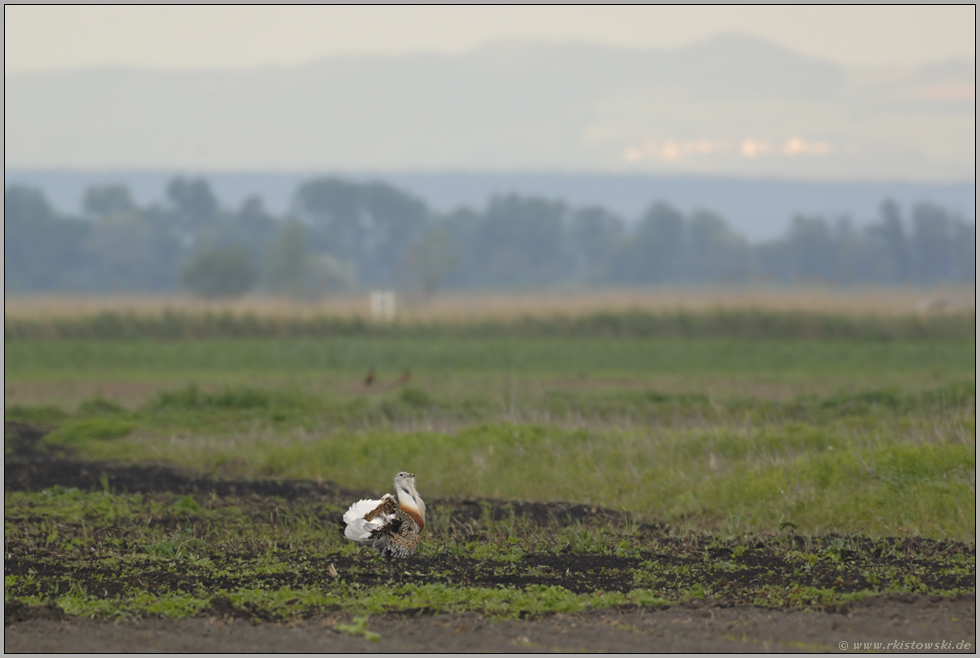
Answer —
(729, 619)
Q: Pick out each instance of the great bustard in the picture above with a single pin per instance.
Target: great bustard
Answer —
(390, 525)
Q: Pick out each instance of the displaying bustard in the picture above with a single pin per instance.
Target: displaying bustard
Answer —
(391, 525)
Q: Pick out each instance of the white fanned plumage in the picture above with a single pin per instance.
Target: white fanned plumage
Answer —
(358, 528)
(390, 525)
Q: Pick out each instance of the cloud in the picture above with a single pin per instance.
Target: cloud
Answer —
(800, 146)
(945, 93)
(673, 150)
(752, 148)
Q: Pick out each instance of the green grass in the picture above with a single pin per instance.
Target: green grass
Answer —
(820, 480)
(88, 429)
(863, 450)
(142, 359)
(881, 461)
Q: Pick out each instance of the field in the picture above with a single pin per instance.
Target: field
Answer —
(717, 478)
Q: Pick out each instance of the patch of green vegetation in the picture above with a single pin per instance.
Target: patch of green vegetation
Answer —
(175, 547)
(40, 414)
(416, 397)
(880, 460)
(90, 429)
(99, 406)
(123, 555)
(358, 628)
(817, 481)
(240, 397)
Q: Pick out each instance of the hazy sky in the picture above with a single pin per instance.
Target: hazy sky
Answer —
(187, 37)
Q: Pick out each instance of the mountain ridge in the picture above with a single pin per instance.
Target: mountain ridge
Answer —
(732, 105)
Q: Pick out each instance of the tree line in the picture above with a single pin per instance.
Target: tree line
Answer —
(340, 235)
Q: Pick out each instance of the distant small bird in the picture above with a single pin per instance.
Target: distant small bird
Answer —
(406, 377)
(370, 377)
(390, 525)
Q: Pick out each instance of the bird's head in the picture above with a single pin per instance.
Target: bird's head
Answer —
(407, 494)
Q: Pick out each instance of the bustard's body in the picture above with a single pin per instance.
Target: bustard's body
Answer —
(391, 525)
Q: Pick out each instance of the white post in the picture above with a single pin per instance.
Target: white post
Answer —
(382, 305)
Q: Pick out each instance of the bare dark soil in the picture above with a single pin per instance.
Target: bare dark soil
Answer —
(727, 620)
(905, 619)
(30, 465)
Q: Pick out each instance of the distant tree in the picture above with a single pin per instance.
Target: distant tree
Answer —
(288, 265)
(518, 241)
(217, 273)
(851, 253)
(656, 252)
(129, 252)
(812, 249)
(889, 258)
(593, 236)
(716, 253)
(42, 251)
(250, 227)
(345, 233)
(107, 200)
(931, 243)
(964, 256)
(254, 215)
(369, 223)
(429, 261)
(26, 204)
(192, 200)
(460, 227)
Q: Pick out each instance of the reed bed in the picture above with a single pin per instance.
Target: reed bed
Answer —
(811, 313)
(479, 306)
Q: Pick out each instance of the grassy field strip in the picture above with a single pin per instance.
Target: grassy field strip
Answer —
(879, 461)
(745, 358)
(818, 480)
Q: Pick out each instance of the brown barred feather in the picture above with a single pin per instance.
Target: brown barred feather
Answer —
(388, 506)
(399, 537)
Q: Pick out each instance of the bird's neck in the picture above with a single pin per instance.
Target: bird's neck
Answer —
(416, 516)
(412, 502)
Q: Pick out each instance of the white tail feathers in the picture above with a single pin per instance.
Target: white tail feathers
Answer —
(358, 528)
